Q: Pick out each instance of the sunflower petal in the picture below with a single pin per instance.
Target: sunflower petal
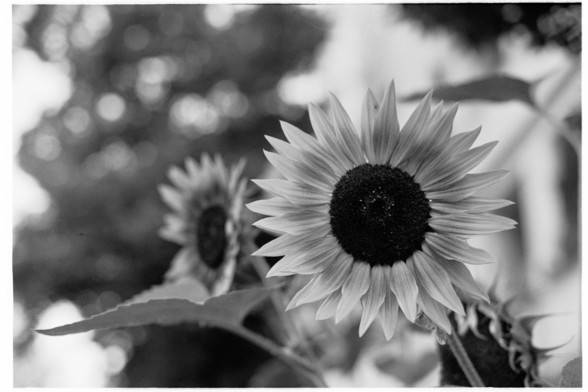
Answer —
(299, 138)
(192, 168)
(294, 171)
(404, 286)
(356, 285)
(412, 130)
(462, 141)
(172, 197)
(368, 118)
(318, 265)
(179, 178)
(347, 134)
(374, 298)
(172, 235)
(320, 161)
(457, 249)
(471, 224)
(182, 264)
(295, 260)
(306, 142)
(461, 276)
(273, 207)
(434, 310)
(293, 222)
(471, 204)
(435, 281)
(329, 306)
(326, 136)
(287, 244)
(441, 131)
(470, 184)
(331, 279)
(462, 164)
(389, 315)
(479, 204)
(386, 129)
(296, 193)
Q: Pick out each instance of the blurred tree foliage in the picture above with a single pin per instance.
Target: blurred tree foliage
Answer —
(151, 85)
(477, 25)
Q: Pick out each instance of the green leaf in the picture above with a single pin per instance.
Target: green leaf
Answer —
(497, 88)
(186, 288)
(571, 374)
(225, 311)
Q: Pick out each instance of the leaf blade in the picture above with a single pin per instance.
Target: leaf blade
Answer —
(495, 88)
(226, 311)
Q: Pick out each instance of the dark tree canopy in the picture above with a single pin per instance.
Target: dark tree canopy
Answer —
(477, 25)
(152, 85)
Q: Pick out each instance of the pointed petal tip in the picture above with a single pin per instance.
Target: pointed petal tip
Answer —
(260, 252)
(293, 304)
(322, 317)
(391, 88)
(362, 330)
(284, 123)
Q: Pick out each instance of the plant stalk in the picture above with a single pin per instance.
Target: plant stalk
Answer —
(277, 299)
(464, 360)
(289, 357)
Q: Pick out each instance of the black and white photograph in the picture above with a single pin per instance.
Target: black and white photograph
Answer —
(295, 195)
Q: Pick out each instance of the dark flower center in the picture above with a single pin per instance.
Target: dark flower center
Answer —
(379, 214)
(210, 236)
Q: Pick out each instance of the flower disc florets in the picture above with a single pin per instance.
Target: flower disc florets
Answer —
(379, 214)
(211, 239)
(206, 201)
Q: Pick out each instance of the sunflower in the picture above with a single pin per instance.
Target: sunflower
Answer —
(380, 218)
(495, 325)
(207, 201)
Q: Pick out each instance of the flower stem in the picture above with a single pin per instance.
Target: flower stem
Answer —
(464, 360)
(286, 355)
(288, 324)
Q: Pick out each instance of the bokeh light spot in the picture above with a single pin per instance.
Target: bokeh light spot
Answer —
(47, 147)
(193, 115)
(136, 37)
(219, 16)
(228, 99)
(77, 120)
(110, 107)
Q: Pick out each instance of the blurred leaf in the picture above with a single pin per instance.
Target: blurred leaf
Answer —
(574, 120)
(225, 311)
(187, 288)
(571, 374)
(275, 374)
(498, 88)
(408, 371)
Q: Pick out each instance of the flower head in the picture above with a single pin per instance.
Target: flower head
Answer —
(381, 217)
(207, 201)
(491, 328)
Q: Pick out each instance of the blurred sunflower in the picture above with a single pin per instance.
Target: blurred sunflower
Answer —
(381, 218)
(207, 201)
(502, 343)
